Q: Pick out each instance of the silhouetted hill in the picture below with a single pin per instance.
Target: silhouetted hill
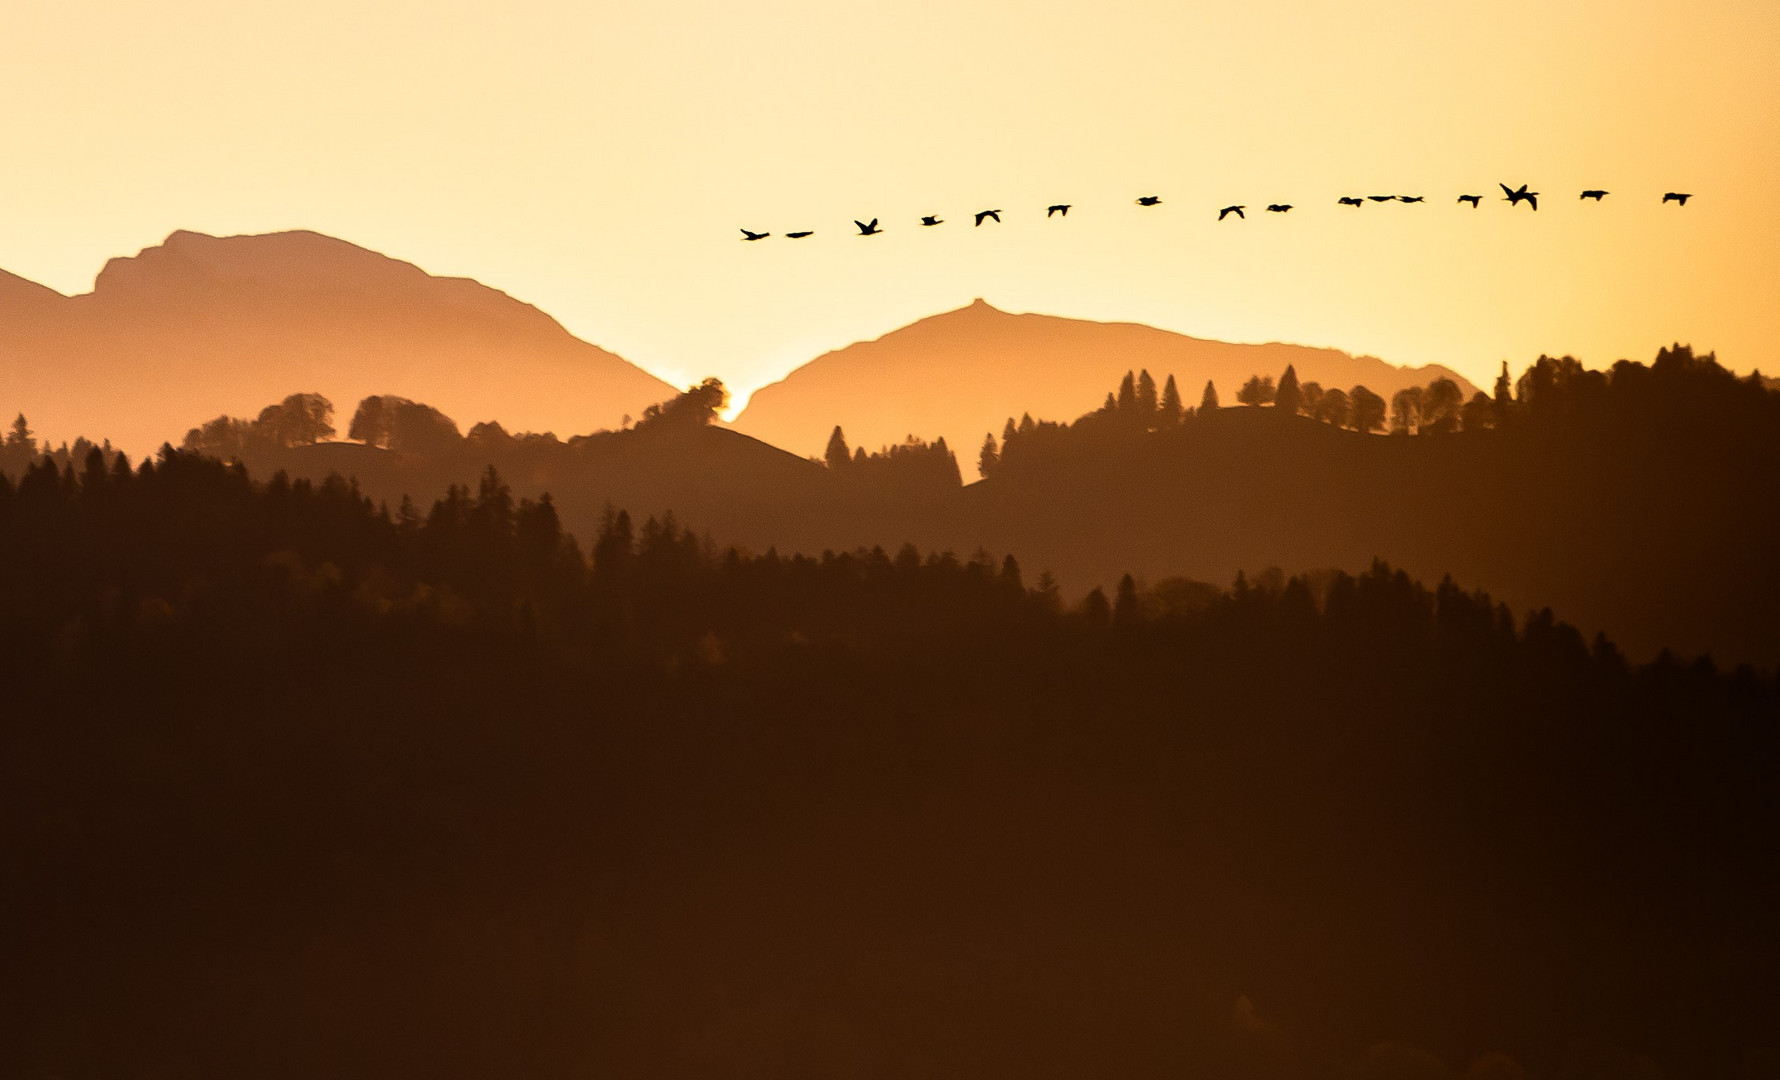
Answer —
(290, 788)
(202, 325)
(963, 373)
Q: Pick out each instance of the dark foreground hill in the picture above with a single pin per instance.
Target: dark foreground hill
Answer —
(200, 325)
(289, 788)
(959, 374)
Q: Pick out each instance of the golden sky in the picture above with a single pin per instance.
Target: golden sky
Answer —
(597, 159)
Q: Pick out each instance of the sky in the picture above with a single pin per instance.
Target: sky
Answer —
(598, 160)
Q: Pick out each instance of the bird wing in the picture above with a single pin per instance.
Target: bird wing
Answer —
(1532, 200)
(1506, 190)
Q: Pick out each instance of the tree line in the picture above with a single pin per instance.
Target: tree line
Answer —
(1550, 390)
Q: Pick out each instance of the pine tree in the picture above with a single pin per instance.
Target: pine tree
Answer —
(1208, 402)
(987, 458)
(1146, 396)
(1127, 393)
(1125, 608)
(836, 455)
(1170, 409)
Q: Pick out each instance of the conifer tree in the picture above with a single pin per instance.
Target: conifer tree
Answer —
(837, 455)
(1169, 411)
(1208, 401)
(1288, 398)
(987, 458)
(1146, 396)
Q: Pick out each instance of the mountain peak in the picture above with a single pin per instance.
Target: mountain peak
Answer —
(298, 258)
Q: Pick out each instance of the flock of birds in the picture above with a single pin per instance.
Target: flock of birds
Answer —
(1511, 196)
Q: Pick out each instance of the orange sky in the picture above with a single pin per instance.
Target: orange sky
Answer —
(596, 159)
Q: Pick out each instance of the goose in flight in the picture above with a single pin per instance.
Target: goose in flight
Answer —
(799, 235)
(868, 230)
(1472, 199)
(1228, 210)
(1382, 198)
(1278, 208)
(1149, 200)
(1515, 197)
(746, 235)
(1059, 208)
(1411, 198)
(1349, 200)
(933, 219)
(1593, 193)
(981, 214)
(1676, 196)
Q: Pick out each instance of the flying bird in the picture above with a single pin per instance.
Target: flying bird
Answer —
(799, 235)
(1676, 196)
(981, 214)
(933, 219)
(1593, 193)
(1228, 210)
(1278, 208)
(1149, 200)
(1059, 208)
(1472, 199)
(1516, 197)
(1411, 198)
(868, 230)
(1382, 198)
(746, 235)
(1349, 200)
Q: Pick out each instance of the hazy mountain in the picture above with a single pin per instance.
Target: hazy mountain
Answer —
(202, 325)
(963, 373)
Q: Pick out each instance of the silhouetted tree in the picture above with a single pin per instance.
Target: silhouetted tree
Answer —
(837, 453)
(1504, 397)
(1479, 413)
(1169, 411)
(1208, 401)
(987, 458)
(1366, 410)
(19, 438)
(1440, 403)
(696, 408)
(298, 420)
(1288, 398)
(1333, 407)
(1126, 402)
(1257, 391)
(1146, 397)
(1406, 410)
(1312, 393)
(1125, 607)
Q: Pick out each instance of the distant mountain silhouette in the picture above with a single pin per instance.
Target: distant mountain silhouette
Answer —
(993, 364)
(202, 325)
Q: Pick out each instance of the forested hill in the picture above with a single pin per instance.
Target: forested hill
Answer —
(1639, 500)
(291, 787)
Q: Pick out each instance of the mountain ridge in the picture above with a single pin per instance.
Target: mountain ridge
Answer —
(878, 390)
(202, 325)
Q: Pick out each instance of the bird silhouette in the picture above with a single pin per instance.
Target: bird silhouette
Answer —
(933, 219)
(1382, 198)
(1676, 196)
(1349, 200)
(1472, 199)
(1149, 200)
(1411, 198)
(1278, 208)
(1228, 210)
(1515, 198)
(1059, 208)
(746, 235)
(868, 230)
(1593, 193)
(981, 214)
(799, 235)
